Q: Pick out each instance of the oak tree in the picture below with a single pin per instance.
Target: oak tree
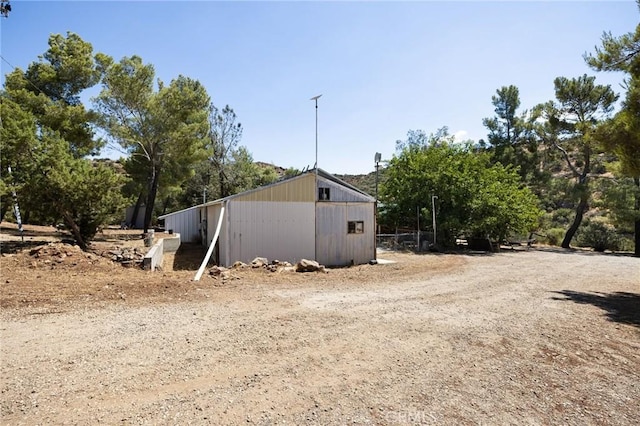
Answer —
(474, 197)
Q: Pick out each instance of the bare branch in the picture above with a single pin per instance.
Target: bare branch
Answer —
(565, 155)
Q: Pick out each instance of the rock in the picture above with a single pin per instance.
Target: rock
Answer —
(36, 251)
(271, 268)
(218, 271)
(259, 262)
(238, 265)
(306, 265)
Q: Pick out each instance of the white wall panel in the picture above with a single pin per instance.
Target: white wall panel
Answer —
(336, 247)
(275, 230)
(213, 215)
(340, 193)
(186, 223)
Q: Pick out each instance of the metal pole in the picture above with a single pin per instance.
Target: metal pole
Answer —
(433, 209)
(315, 98)
(418, 212)
(377, 166)
(316, 136)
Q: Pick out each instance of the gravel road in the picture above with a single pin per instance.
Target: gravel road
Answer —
(536, 337)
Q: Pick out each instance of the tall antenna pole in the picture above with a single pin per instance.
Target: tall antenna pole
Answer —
(433, 212)
(315, 98)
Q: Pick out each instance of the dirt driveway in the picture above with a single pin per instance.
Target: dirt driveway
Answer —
(536, 337)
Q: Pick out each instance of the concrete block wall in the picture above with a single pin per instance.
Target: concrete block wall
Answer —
(171, 243)
(154, 256)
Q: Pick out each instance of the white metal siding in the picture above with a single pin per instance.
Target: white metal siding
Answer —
(334, 246)
(298, 189)
(213, 215)
(340, 193)
(186, 223)
(275, 230)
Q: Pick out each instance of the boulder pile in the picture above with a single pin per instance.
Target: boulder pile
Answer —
(128, 257)
(261, 263)
(59, 253)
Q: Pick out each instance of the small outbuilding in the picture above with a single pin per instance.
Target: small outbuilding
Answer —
(313, 215)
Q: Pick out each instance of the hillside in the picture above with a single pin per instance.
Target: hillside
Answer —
(366, 183)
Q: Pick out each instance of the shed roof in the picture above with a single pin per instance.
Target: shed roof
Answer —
(179, 211)
(321, 173)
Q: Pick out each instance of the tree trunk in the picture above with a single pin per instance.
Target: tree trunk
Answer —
(223, 189)
(636, 180)
(75, 230)
(583, 186)
(151, 200)
(4, 208)
(136, 211)
(165, 204)
(582, 207)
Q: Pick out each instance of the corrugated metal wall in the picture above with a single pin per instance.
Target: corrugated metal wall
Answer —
(334, 246)
(271, 229)
(341, 193)
(213, 215)
(186, 223)
(300, 189)
(283, 221)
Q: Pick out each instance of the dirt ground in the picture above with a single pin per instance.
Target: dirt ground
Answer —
(539, 336)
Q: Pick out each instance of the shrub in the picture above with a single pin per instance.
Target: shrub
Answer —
(599, 235)
(562, 217)
(554, 236)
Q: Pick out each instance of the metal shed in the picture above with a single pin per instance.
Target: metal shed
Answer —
(313, 216)
(184, 222)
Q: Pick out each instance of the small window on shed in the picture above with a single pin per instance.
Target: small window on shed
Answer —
(355, 227)
(324, 194)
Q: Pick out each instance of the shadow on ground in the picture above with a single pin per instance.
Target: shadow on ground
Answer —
(621, 307)
(188, 257)
(12, 247)
(584, 252)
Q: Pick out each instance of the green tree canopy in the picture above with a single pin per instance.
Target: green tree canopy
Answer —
(622, 133)
(228, 168)
(512, 139)
(569, 127)
(46, 132)
(166, 129)
(50, 89)
(474, 197)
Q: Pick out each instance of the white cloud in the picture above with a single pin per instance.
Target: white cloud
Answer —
(461, 136)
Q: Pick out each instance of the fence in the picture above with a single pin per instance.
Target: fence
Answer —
(411, 240)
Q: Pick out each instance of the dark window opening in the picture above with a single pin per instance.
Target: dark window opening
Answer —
(324, 194)
(355, 227)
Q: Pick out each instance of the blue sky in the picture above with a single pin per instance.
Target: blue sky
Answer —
(383, 68)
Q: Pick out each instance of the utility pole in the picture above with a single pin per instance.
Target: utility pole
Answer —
(418, 213)
(315, 98)
(433, 209)
(377, 159)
